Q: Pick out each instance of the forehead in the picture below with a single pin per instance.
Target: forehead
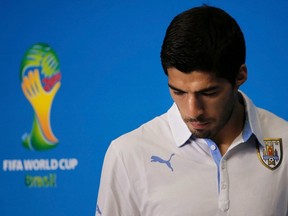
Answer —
(194, 81)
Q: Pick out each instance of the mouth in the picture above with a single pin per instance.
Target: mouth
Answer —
(198, 125)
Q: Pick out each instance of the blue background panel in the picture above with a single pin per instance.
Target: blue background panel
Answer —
(112, 82)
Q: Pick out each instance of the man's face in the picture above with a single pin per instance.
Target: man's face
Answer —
(205, 102)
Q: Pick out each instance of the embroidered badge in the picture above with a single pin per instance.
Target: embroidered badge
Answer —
(271, 154)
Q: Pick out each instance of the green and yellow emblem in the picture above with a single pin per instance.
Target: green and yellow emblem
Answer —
(40, 81)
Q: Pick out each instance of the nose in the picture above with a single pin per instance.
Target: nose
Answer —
(195, 107)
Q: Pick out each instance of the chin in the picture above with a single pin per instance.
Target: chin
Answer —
(203, 135)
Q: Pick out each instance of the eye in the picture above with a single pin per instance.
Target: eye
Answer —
(179, 93)
(210, 93)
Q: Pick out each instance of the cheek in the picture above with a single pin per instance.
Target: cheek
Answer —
(180, 102)
(177, 99)
(217, 107)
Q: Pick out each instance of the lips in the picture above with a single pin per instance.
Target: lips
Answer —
(199, 125)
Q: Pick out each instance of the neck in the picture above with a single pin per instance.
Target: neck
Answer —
(232, 129)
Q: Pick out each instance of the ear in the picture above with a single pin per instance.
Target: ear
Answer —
(241, 76)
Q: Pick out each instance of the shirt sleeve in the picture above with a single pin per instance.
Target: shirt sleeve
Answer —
(115, 197)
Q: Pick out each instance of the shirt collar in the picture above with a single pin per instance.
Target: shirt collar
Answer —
(180, 131)
(182, 134)
(253, 118)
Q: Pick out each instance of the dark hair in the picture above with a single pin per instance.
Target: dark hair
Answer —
(204, 38)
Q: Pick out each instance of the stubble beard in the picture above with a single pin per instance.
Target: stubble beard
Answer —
(211, 132)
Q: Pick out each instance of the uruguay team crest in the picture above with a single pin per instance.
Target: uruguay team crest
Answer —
(271, 154)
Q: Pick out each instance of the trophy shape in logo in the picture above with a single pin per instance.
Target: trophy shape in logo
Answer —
(40, 76)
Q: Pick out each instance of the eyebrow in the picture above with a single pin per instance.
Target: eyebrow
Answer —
(212, 88)
(174, 88)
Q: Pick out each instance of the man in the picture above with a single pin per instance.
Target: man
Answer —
(213, 152)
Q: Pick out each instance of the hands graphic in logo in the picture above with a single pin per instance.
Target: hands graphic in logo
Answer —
(41, 102)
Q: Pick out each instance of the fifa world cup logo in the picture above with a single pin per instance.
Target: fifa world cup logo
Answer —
(40, 81)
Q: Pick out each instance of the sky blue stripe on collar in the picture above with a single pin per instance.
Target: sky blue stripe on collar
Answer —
(215, 152)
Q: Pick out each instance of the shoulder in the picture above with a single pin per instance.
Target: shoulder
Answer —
(272, 125)
(271, 122)
(135, 148)
(149, 135)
